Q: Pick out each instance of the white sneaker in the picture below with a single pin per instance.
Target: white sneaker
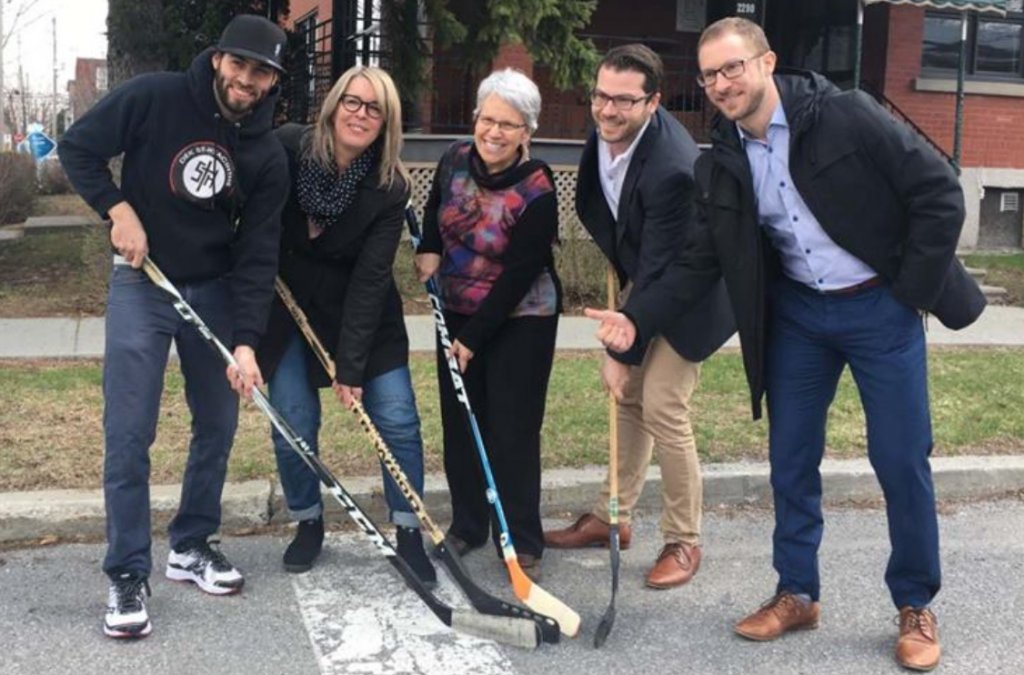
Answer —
(206, 567)
(126, 608)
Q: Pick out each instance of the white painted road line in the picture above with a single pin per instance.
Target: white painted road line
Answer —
(362, 619)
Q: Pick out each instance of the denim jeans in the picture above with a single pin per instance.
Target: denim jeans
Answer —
(812, 338)
(389, 401)
(140, 325)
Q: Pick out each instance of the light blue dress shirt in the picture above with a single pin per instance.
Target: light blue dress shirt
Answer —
(808, 254)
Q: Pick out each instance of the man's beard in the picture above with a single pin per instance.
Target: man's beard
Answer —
(754, 101)
(238, 109)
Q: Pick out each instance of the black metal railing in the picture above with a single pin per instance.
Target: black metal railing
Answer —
(310, 74)
(895, 111)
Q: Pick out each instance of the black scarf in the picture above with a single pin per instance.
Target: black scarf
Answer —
(325, 194)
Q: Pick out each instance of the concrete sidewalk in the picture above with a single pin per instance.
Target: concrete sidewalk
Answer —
(80, 513)
(83, 337)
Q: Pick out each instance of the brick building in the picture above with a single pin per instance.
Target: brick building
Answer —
(89, 86)
(909, 62)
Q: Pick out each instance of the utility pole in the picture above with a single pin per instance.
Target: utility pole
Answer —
(21, 90)
(53, 129)
(3, 123)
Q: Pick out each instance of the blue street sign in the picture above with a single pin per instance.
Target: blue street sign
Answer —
(41, 144)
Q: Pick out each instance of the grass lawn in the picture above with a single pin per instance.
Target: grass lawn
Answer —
(54, 274)
(50, 431)
(1003, 270)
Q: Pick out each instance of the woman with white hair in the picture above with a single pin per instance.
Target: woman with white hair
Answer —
(490, 224)
(341, 228)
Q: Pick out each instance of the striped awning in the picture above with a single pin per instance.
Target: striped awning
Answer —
(994, 6)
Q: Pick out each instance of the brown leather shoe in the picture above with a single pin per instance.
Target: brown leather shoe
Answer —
(586, 532)
(918, 647)
(531, 566)
(783, 613)
(676, 565)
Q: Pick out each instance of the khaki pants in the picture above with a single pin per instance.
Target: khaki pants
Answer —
(655, 413)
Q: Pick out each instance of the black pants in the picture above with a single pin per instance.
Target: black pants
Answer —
(507, 381)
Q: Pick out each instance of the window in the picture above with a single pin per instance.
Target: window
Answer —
(995, 45)
(101, 77)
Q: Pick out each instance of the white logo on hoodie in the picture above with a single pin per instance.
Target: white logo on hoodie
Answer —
(201, 171)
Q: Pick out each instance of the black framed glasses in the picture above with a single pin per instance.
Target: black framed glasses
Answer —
(599, 99)
(730, 71)
(353, 103)
(503, 126)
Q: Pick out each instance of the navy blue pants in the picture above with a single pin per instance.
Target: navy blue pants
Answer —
(811, 338)
(140, 324)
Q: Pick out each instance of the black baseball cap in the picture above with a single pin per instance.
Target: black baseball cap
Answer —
(253, 37)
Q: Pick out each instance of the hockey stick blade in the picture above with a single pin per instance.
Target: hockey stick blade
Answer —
(539, 600)
(500, 629)
(483, 602)
(504, 629)
(605, 627)
(480, 599)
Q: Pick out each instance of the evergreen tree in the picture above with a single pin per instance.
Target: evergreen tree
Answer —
(135, 39)
(477, 29)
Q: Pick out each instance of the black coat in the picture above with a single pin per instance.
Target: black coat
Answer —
(655, 214)
(343, 281)
(873, 184)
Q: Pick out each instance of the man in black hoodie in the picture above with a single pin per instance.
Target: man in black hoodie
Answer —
(834, 227)
(202, 187)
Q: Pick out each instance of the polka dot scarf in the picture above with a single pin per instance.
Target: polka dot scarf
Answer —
(324, 194)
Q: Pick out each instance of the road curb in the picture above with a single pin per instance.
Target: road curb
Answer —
(80, 513)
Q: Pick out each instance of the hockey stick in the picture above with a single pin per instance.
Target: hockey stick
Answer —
(513, 631)
(480, 599)
(532, 595)
(605, 627)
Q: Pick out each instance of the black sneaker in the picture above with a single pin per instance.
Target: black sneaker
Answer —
(206, 567)
(126, 608)
(410, 548)
(305, 547)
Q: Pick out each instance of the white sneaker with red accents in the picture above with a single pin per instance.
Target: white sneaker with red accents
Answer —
(203, 564)
(126, 608)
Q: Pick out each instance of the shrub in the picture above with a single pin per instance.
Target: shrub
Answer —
(53, 180)
(17, 187)
(581, 267)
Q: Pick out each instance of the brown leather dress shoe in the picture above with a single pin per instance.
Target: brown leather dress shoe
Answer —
(918, 647)
(783, 613)
(586, 532)
(675, 566)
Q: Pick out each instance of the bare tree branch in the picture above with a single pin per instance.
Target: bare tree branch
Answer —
(24, 7)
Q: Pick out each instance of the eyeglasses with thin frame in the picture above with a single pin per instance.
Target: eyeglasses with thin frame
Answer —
(599, 100)
(353, 103)
(729, 71)
(504, 126)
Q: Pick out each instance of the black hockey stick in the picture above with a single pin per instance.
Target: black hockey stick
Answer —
(513, 631)
(478, 597)
(605, 627)
(532, 595)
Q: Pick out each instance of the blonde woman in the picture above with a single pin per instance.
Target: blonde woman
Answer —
(340, 230)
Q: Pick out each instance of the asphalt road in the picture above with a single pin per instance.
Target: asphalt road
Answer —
(352, 615)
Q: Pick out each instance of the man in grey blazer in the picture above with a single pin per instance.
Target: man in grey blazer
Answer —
(635, 197)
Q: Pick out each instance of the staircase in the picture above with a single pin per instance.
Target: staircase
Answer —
(996, 295)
